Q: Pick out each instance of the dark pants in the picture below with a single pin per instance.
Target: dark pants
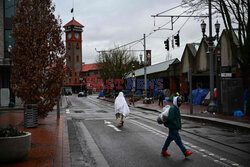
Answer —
(174, 135)
(160, 102)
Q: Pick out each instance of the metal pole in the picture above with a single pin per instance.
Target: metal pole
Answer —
(211, 106)
(58, 107)
(145, 68)
(190, 91)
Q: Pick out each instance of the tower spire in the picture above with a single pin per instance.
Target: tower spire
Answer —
(72, 10)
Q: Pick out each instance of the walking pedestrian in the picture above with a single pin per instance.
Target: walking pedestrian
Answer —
(121, 108)
(161, 98)
(174, 125)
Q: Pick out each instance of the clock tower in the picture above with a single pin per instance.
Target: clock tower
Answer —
(73, 31)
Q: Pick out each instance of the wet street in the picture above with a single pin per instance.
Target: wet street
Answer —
(95, 140)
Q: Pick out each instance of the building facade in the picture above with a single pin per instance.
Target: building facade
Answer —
(7, 10)
(73, 32)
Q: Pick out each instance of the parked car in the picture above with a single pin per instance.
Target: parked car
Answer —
(68, 92)
(82, 94)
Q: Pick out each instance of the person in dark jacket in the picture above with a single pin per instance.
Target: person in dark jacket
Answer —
(161, 98)
(174, 125)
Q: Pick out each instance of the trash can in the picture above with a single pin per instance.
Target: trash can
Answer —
(30, 116)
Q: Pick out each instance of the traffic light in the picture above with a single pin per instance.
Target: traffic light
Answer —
(166, 44)
(133, 67)
(133, 71)
(177, 40)
(133, 74)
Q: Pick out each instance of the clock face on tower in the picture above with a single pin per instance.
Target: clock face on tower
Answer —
(69, 35)
(77, 35)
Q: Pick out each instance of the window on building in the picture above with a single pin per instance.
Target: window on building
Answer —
(9, 8)
(8, 40)
(77, 58)
(96, 72)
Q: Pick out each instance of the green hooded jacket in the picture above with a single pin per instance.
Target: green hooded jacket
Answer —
(174, 116)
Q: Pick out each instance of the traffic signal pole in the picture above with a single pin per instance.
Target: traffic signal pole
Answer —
(145, 68)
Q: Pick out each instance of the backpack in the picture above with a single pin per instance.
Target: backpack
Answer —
(163, 117)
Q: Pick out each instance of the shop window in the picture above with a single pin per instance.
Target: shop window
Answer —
(8, 40)
(9, 8)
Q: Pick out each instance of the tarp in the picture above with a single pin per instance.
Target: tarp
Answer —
(138, 92)
(101, 94)
(199, 95)
(238, 113)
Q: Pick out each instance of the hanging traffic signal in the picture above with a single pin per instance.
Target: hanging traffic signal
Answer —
(177, 40)
(133, 74)
(133, 67)
(133, 71)
(166, 44)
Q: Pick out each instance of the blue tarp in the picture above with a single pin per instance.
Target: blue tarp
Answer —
(199, 95)
(101, 94)
(138, 92)
(238, 113)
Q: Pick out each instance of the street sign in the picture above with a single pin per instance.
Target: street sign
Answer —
(226, 75)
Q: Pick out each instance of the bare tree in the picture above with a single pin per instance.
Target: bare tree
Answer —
(38, 74)
(116, 64)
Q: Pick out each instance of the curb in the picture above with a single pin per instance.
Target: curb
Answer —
(11, 109)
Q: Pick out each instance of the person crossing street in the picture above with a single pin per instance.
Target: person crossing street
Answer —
(174, 125)
(121, 108)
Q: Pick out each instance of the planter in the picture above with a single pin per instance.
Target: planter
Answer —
(30, 116)
(14, 148)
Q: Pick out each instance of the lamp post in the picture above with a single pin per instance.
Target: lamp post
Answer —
(210, 39)
(11, 103)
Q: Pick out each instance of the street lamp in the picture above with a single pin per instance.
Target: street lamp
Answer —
(11, 103)
(212, 106)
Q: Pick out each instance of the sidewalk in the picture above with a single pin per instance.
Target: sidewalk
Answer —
(49, 141)
(199, 114)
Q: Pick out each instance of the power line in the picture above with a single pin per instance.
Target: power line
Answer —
(159, 28)
(170, 9)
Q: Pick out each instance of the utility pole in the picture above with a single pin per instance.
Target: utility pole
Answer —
(190, 90)
(211, 106)
(145, 68)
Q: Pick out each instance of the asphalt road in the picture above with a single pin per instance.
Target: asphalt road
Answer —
(95, 139)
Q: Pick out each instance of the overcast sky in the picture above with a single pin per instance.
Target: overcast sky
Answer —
(111, 23)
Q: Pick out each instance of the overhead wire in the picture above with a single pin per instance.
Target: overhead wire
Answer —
(135, 42)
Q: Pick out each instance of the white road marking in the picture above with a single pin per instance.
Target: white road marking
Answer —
(67, 111)
(204, 153)
(112, 126)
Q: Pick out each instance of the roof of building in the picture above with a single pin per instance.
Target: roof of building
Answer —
(163, 66)
(90, 67)
(74, 23)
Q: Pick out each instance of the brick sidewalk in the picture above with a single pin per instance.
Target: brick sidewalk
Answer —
(49, 141)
